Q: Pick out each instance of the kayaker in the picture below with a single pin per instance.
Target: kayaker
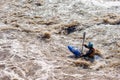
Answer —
(91, 52)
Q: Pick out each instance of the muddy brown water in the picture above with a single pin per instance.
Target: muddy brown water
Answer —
(34, 38)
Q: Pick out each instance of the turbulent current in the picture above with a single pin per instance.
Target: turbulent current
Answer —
(34, 35)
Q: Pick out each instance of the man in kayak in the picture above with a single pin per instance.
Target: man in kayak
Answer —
(91, 52)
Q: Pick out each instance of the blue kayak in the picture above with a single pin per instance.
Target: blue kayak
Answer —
(75, 51)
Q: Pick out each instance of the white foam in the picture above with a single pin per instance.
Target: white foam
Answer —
(101, 3)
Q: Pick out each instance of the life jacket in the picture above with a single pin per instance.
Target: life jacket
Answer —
(92, 53)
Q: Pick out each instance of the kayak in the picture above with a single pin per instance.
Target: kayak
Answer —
(75, 51)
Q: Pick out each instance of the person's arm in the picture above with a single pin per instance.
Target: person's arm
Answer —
(85, 46)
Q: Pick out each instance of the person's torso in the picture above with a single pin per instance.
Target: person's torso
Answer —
(91, 52)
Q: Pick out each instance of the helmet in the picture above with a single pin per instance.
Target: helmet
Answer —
(90, 44)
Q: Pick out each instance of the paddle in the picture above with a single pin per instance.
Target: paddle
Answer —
(83, 40)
